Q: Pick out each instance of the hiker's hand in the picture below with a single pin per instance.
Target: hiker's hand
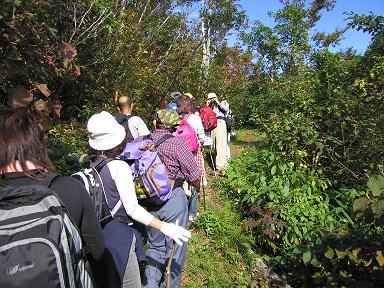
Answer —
(177, 233)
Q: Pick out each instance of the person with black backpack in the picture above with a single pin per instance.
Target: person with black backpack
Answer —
(48, 226)
(134, 126)
(107, 142)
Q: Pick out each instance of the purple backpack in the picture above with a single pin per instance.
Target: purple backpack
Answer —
(186, 132)
(150, 175)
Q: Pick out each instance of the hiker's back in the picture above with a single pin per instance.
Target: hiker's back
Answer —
(209, 118)
(186, 132)
(123, 120)
(150, 175)
(39, 244)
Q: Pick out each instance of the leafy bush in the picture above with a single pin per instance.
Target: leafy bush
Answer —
(295, 202)
(66, 139)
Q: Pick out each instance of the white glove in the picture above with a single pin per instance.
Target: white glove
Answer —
(175, 232)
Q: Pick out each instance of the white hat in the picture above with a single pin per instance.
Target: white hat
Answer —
(104, 131)
(211, 96)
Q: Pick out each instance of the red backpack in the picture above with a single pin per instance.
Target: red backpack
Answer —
(188, 134)
(208, 117)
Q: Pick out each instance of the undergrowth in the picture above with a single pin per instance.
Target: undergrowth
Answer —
(220, 252)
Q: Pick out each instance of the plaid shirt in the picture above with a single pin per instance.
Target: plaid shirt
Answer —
(177, 157)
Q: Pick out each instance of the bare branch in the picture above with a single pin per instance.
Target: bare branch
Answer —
(142, 14)
(74, 22)
(162, 61)
(92, 29)
(81, 21)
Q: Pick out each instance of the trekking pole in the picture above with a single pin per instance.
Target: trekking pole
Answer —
(169, 265)
(203, 189)
(213, 163)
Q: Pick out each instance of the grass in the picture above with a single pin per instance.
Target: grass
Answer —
(220, 253)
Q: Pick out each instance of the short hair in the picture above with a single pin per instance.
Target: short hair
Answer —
(22, 140)
(185, 104)
(124, 102)
(111, 153)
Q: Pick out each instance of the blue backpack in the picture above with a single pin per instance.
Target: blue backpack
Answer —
(150, 175)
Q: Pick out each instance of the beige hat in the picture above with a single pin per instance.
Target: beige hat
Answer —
(104, 131)
(211, 96)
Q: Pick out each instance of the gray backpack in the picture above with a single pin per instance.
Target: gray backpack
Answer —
(39, 244)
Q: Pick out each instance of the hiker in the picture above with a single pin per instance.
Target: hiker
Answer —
(228, 114)
(181, 166)
(24, 161)
(185, 107)
(173, 104)
(134, 125)
(106, 140)
(219, 134)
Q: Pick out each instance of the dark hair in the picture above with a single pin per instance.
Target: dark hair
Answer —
(22, 140)
(184, 104)
(111, 153)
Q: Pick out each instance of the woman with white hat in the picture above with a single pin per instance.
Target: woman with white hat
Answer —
(219, 134)
(106, 139)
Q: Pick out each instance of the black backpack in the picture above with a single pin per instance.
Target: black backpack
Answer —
(122, 119)
(229, 121)
(92, 181)
(39, 244)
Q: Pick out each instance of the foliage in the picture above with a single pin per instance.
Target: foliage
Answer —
(87, 51)
(299, 198)
(313, 233)
(64, 140)
(220, 253)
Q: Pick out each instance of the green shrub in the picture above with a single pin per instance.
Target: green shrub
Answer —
(292, 201)
(65, 139)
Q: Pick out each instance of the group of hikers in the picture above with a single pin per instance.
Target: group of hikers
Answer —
(118, 144)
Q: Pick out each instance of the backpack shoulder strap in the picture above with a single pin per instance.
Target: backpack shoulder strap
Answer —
(163, 139)
(128, 117)
(49, 179)
(186, 116)
(103, 162)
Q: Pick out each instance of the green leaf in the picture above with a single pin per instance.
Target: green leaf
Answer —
(273, 170)
(53, 31)
(378, 208)
(341, 254)
(307, 256)
(361, 204)
(376, 184)
(329, 253)
(285, 190)
(380, 258)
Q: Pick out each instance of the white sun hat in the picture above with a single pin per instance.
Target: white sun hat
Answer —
(104, 131)
(211, 96)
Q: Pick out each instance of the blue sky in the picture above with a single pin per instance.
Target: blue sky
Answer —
(257, 9)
